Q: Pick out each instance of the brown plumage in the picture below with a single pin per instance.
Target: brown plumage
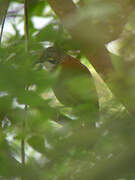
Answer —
(74, 84)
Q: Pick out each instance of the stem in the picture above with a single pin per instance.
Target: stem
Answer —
(4, 13)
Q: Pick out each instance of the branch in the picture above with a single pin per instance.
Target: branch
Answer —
(63, 8)
(98, 56)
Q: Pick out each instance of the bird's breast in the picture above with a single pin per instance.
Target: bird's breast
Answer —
(74, 84)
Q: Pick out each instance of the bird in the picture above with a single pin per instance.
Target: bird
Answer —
(74, 85)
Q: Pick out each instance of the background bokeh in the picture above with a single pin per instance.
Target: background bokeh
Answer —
(40, 138)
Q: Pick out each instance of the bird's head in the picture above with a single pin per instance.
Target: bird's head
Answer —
(51, 57)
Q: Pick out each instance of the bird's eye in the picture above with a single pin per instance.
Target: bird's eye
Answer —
(53, 61)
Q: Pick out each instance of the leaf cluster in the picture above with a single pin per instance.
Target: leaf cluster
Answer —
(61, 142)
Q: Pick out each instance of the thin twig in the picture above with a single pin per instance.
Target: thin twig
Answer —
(4, 13)
(26, 30)
(23, 151)
(26, 27)
(23, 141)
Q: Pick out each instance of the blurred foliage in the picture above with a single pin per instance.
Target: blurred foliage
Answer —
(58, 144)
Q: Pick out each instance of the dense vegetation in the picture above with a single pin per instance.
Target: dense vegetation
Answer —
(40, 138)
